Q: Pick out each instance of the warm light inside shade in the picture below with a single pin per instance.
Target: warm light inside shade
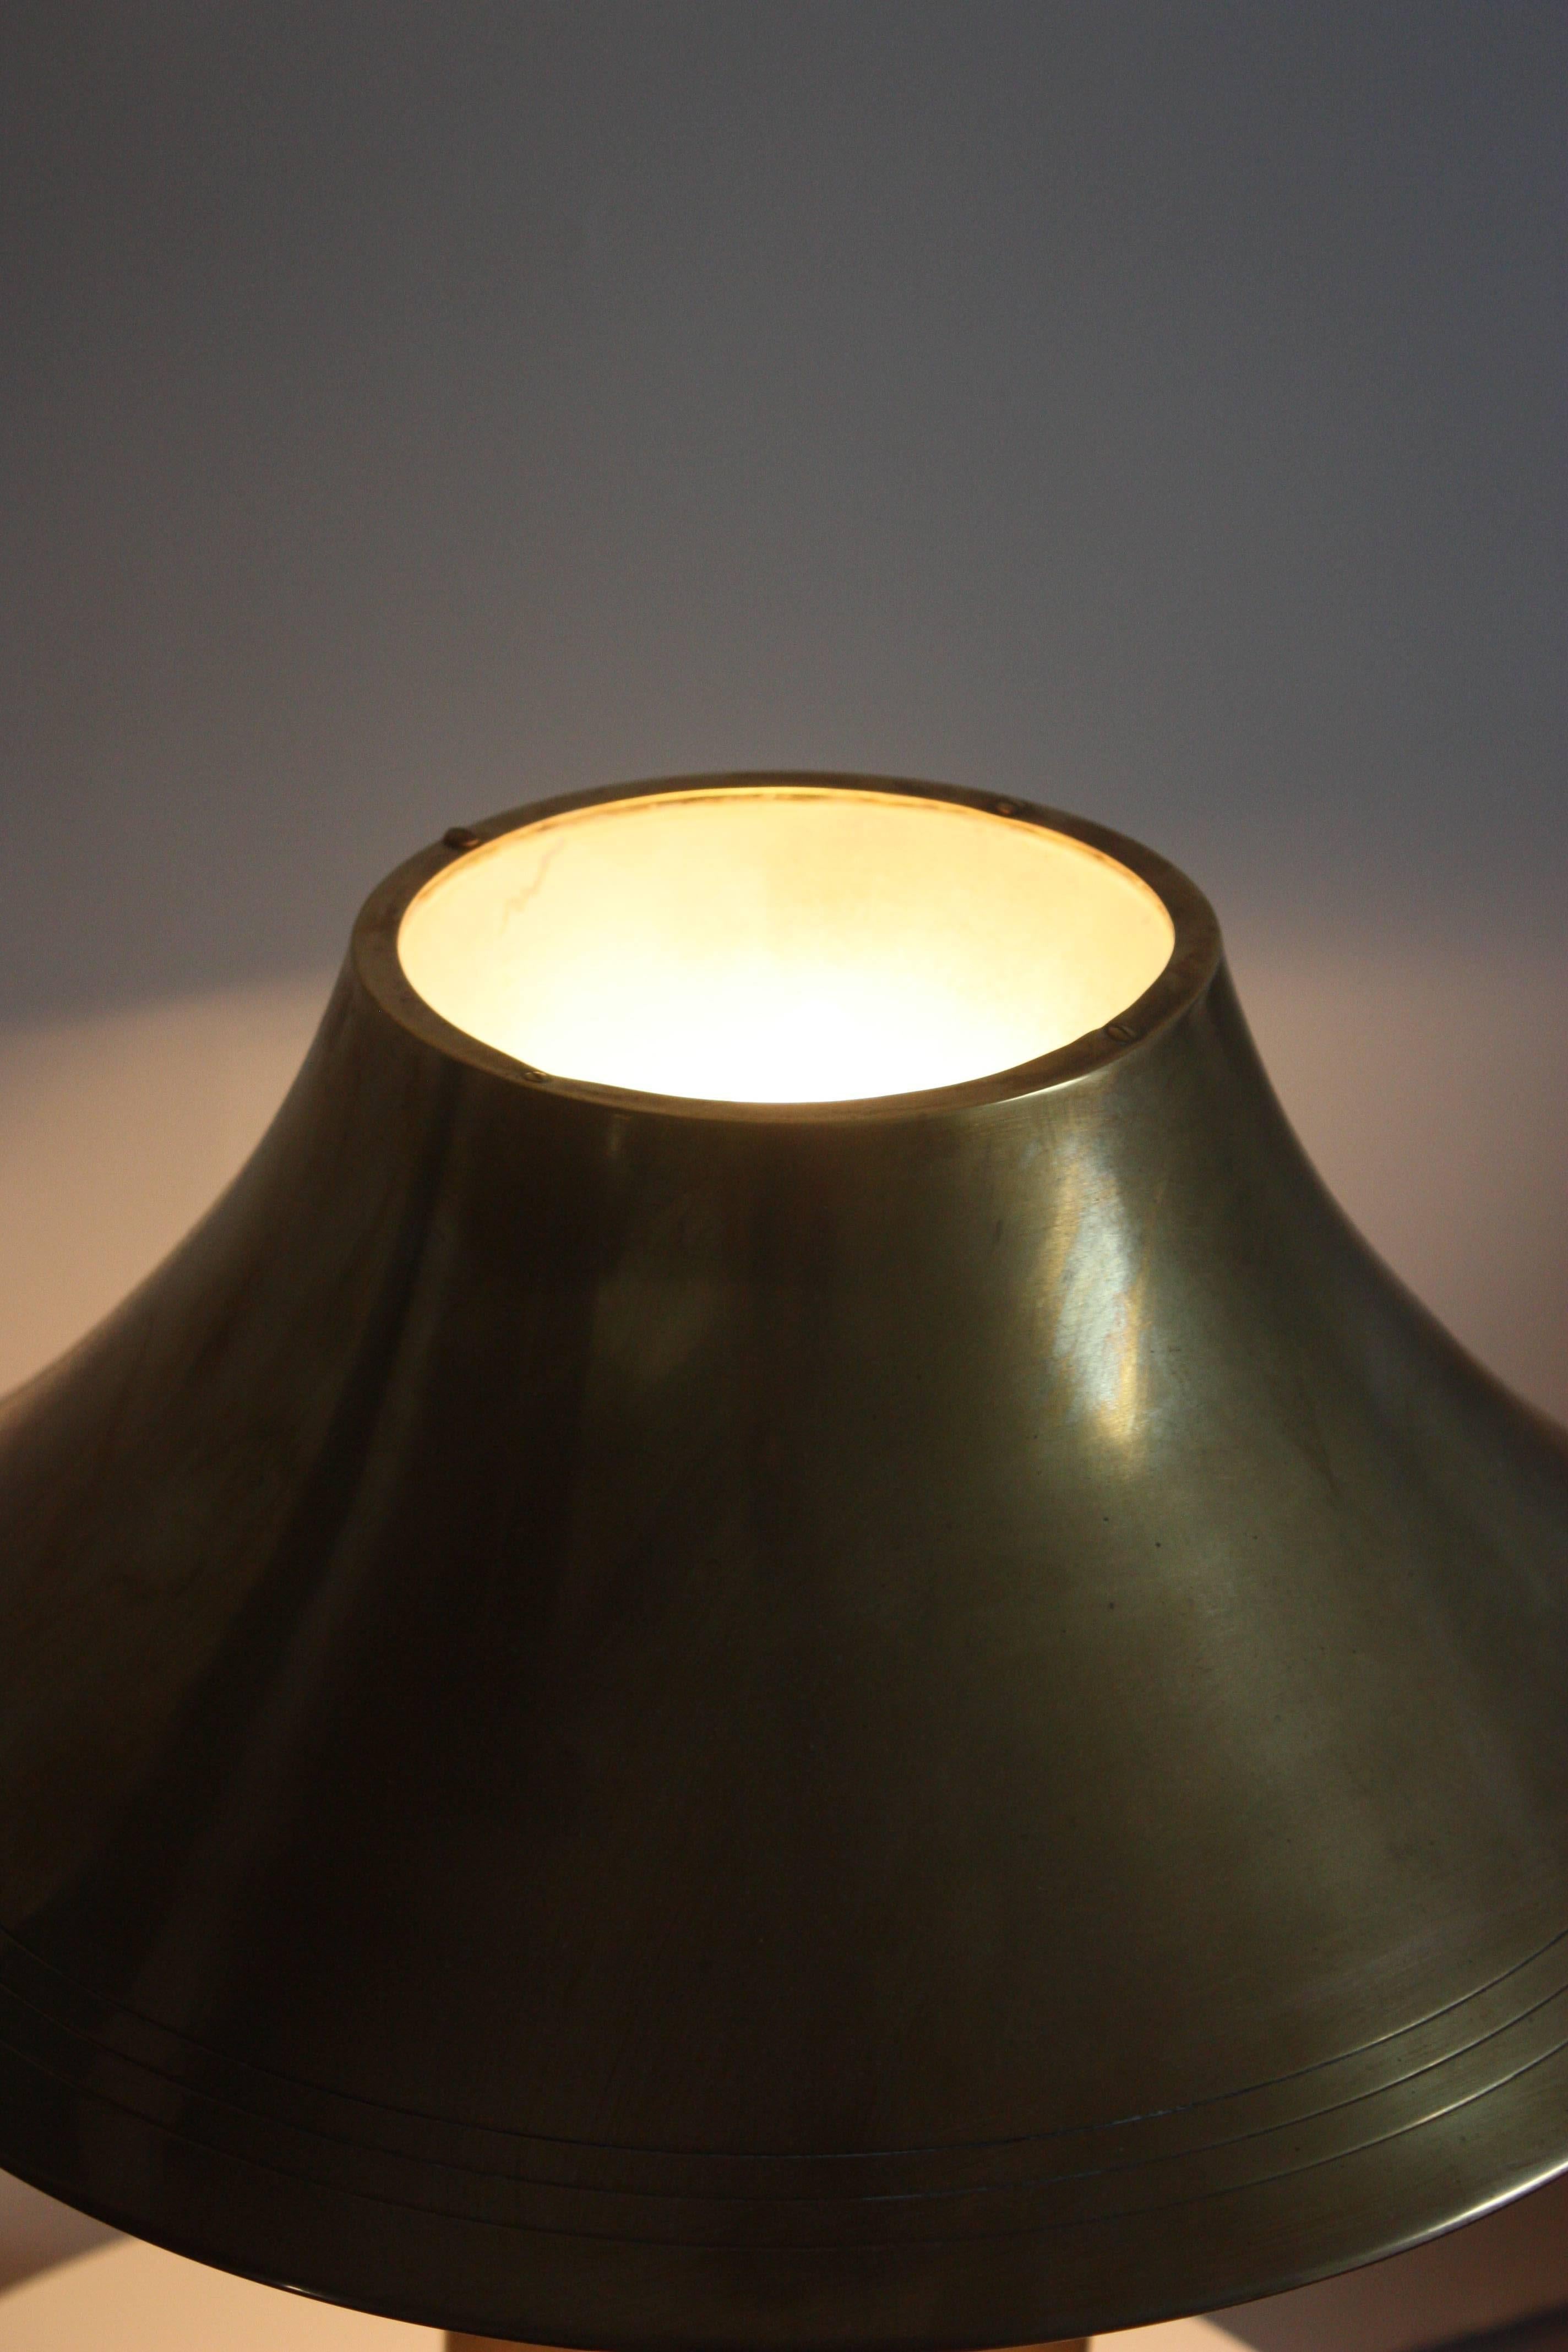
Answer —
(783, 943)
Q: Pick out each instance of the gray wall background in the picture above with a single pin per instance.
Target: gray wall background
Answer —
(1154, 406)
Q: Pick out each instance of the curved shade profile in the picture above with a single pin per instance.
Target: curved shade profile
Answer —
(645, 1703)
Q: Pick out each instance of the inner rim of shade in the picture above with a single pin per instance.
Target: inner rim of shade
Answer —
(777, 944)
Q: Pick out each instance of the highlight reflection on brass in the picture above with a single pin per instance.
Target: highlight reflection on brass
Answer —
(1092, 1282)
(634, 1720)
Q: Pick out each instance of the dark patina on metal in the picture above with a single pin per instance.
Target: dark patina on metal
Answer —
(926, 1723)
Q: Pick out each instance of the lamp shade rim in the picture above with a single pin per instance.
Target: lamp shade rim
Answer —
(1189, 968)
(296, 2206)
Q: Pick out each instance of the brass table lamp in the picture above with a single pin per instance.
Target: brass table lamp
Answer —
(775, 1640)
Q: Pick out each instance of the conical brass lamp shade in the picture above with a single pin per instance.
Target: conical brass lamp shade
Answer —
(936, 1719)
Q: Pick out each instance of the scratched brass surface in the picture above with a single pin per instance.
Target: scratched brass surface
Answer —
(937, 1723)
